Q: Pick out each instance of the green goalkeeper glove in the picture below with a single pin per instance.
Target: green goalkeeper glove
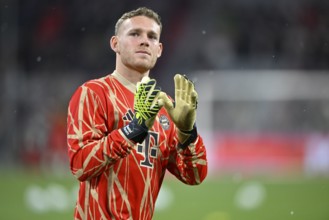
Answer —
(146, 108)
(183, 110)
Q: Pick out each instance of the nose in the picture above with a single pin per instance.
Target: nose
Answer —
(144, 40)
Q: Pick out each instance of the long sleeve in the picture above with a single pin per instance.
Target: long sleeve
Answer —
(189, 165)
(120, 179)
(94, 142)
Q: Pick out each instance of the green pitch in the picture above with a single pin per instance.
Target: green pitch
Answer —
(27, 195)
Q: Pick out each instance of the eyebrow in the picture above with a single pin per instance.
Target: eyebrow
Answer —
(141, 30)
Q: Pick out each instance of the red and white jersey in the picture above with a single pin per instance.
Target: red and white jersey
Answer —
(118, 179)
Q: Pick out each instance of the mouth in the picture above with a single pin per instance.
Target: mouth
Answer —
(143, 52)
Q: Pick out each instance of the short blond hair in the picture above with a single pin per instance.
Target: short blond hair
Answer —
(142, 11)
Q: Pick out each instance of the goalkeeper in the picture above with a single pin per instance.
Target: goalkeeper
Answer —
(123, 132)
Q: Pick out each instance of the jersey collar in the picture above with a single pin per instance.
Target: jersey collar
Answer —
(129, 85)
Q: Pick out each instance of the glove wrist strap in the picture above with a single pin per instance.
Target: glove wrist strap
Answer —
(187, 137)
(134, 131)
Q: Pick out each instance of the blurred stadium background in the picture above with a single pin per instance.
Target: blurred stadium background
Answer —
(262, 72)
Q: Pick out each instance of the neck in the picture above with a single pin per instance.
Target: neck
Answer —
(131, 75)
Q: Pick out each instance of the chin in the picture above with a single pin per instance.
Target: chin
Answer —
(144, 68)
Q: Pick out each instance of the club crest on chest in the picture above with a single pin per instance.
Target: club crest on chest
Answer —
(164, 122)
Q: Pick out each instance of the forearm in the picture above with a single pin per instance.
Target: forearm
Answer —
(190, 164)
(89, 158)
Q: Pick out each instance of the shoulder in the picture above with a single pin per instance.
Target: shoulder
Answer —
(99, 83)
(98, 86)
(93, 87)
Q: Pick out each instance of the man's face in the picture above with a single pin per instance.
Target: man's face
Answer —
(137, 43)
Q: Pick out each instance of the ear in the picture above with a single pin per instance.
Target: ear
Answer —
(114, 44)
(160, 50)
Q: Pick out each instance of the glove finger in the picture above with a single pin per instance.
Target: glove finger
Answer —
(141, 96)
(178, 86)
(185, 86)
(151, 82)
(140, 87)
(143, 87)
(190, 91)
(150, 86)
(145, 79)
(155, 95)
(163, 100)
(194, 99)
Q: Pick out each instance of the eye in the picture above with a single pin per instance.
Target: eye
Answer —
(134, 34)
(153, 37)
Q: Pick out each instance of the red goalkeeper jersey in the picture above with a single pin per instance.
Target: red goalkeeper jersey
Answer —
(119, 179)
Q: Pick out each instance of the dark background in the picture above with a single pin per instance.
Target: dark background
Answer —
(48, 48)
